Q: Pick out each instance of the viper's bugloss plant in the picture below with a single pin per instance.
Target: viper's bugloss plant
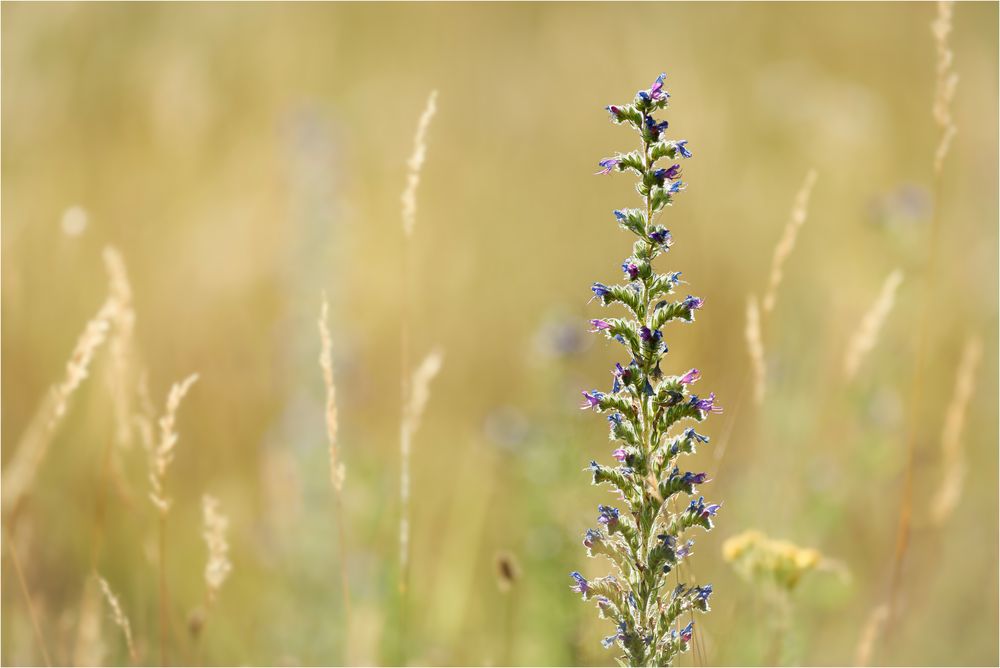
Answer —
(646, 539)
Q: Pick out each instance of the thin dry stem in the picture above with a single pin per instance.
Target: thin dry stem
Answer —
(873, 627)
(28, 601)
(866, 336)
(415, 164)
(952, 455)
(118, 615)
(787, 242)
(120, 345)
(755, 347)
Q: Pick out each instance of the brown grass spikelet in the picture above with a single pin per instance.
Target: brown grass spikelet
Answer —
(164, 451)
(118, 615)
(946, 83)
(337, 470)
(953, 458)
(866, 336)
(415, 164)
(218, 566)
(787, 242)
(19, 474)
(418, 395)
(870, 633)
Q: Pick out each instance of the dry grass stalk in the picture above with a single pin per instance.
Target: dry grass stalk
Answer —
(787, 242)
(164, 452)
(947, 82)
(119, 618)
(419, 394)
(218, 566)
(873, 627)
(415, 164)
(337, 470)
(866, 336)
(88, 647)
(19, 474)
(120, 345)
(952, 455)
(755, 346)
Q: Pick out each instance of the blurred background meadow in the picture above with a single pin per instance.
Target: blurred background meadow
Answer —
(244, 158)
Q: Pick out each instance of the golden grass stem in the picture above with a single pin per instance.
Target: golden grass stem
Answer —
(118, 615)
(29, 603)
(337, 469)
(866, 336)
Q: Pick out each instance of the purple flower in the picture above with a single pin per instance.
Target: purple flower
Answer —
(681, 146)
(645, 333)
(673, 171)
(615, 419)
(706, 405)
(591, 399)
(685, 550)
(631, 269)
(656, 91)
(662, 237)
(607, 516)
(600, 290)
(695, 478)
(581, 586)
(620, 454)
(692, 303)
(691, 376)
(598, 325)
(608, 164)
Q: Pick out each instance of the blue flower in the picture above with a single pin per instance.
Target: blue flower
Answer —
(694, 478)
(600, 290)
(581, 586)
(685, 550)
(687, 632)
(615, 418)
(690, 433)
(703, 592)
(675, 187)
(591, 399)
(681, 146)
(693, 303)
(662, 237)
(607, 165)
(607, 516)
(655, 128)
(706, 405)
(592, 538)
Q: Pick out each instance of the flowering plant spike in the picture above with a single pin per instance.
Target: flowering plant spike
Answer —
(646, 539)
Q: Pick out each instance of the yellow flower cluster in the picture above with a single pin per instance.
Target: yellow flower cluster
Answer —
(759, 558)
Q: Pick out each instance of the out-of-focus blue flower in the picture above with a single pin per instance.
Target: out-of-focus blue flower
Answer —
(592, 538)
(685, 550)
(581, 586)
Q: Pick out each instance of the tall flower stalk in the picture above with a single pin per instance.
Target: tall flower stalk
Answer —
(646, 540)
